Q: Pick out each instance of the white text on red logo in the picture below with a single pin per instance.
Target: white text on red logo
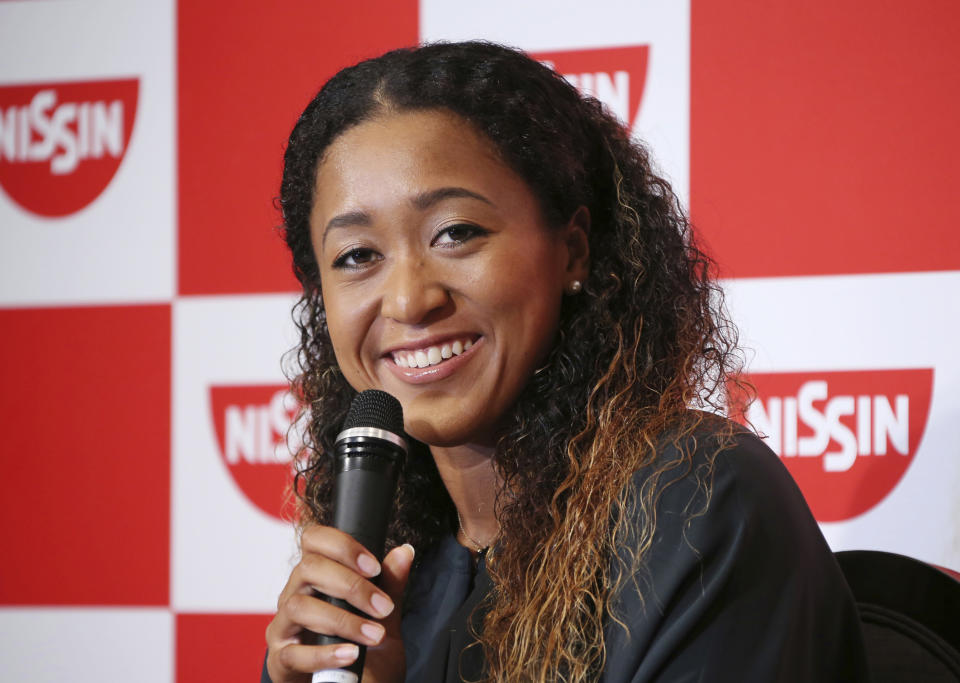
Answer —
(878, 422)
(68, 132)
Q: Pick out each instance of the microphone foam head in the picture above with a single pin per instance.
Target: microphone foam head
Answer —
(375, 408)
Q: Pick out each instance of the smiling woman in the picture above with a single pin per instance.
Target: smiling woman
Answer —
(477, 239)
(423, 238)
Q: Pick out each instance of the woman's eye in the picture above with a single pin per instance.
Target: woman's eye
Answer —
(458, 234)
(356, 258)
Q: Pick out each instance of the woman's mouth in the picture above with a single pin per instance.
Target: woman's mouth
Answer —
(431, 355)
(434, 362)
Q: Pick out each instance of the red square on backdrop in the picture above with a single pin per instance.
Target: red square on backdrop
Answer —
(220, 647)
(824, 137)
(85, 491)
(245, 72)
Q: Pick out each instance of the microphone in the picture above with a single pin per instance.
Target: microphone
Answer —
(370, 452)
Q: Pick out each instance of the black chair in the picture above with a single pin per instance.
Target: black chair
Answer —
(910, 613)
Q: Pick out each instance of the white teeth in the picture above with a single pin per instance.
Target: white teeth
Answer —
(432, 355)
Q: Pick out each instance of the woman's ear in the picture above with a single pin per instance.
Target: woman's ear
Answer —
(576, 238)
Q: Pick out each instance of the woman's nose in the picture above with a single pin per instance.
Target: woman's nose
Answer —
(411, 292)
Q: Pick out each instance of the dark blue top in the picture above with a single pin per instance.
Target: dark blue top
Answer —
(746, 591)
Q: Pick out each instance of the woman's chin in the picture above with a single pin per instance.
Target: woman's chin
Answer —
(439, 435)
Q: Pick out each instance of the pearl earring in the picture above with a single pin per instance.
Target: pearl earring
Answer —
(574, 287)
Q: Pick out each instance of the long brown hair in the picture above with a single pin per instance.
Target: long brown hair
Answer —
(645, 340)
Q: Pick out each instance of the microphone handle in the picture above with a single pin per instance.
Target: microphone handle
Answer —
(364, 489)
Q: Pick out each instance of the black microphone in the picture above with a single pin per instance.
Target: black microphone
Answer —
(370, 452)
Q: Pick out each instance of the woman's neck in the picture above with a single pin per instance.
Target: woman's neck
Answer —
(472, 482)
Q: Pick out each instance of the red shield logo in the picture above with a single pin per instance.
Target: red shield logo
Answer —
(615, 75)
(846, 437)
(252, 425)
(61, 143)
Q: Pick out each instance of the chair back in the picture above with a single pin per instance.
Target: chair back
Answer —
(910, 612)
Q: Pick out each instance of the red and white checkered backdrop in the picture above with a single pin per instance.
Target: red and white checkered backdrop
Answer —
(145, 292)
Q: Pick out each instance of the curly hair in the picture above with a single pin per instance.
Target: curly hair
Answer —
(646, 340)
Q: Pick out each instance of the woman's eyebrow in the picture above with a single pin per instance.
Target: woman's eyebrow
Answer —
(346, 220)
(425, 200)
(421, 202)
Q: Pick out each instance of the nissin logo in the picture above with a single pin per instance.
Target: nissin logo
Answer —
(252, 424)
(847, 437)
(616, 76)
(61, 143)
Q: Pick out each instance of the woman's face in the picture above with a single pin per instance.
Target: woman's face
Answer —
(441, 281)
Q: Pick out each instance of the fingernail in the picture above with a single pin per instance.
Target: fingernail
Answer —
(382, 605)
(368, 565)
(347, 653)
(373, 632)
(413, 553)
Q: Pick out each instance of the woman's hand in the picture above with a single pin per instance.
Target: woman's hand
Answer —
(336, 565)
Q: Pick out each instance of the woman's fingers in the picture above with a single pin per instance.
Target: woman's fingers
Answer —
(292, 661)
(313, 658)
(318, 573)
(387, 662)
(339, 546)
(396, 571)
(314, 614)
(310, 612)
(336, 565)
